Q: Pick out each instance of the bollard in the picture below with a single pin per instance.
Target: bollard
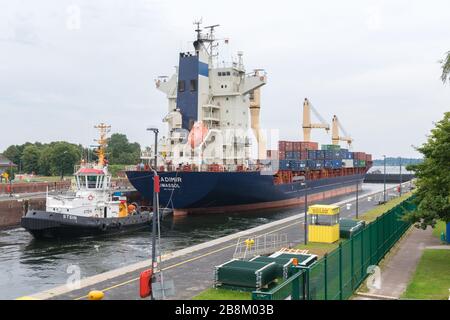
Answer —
(96, 295)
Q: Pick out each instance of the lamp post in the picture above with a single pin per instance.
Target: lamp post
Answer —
(155, 207)
(306, 212)
(384, 180)
(62, 167)
(400, 189)
(357, 200)
(10, 178)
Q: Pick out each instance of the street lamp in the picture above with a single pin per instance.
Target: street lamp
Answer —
(400, 189)
(10, 178)
(384, 180)
(357, 207)
(155, 131)
(62, 167)
(306, 212)
(155, 207)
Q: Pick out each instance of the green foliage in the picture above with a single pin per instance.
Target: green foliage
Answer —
(30, 159)
(433, 178)
(63, 158)
(445, 64)
(121, 151)
(115, 168)
(52, 158)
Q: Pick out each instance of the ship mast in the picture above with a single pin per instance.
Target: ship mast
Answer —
(102, 142)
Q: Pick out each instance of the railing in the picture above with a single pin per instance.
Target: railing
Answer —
(262, 244)
(337, 275)
(292, 288)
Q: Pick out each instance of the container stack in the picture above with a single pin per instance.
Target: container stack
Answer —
(302, 156)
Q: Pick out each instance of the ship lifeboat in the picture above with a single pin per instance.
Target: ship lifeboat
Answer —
(197, 134)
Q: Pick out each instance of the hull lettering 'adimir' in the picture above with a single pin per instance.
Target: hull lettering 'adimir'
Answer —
(214, 157)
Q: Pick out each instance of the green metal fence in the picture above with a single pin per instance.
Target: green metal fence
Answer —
(337, 275)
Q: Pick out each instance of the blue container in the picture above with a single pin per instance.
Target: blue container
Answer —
(328, 164)
(296, 155)
(312, 154)
(337, 164)
(299, 165)
(290, 155)
(319, 164)
(320, 154)
(285, 165)
(311, 164)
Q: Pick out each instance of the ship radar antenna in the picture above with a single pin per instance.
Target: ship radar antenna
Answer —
(102, 142)
(198, 30)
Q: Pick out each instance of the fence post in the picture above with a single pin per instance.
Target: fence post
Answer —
(296, 288)
(362, 253)
(326, 278)
(352, 271)
(340, 271)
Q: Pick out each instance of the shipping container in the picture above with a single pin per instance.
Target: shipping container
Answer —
(285, 165)
(320, 154)
(332, 147)
(312, 155)
(347, 163)
(281, 155)
(337, 164)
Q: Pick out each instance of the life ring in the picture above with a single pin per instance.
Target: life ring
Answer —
(90, 197)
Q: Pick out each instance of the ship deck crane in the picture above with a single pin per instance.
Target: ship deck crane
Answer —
(307, 125)
(335, 137)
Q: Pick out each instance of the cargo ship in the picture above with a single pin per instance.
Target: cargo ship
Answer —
(206, 162)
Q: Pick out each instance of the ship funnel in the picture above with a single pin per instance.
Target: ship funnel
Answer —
(255, 107)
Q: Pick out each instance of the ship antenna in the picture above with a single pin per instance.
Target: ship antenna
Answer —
(102, 142)
(198, 30)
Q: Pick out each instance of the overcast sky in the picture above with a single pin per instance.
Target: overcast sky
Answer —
(373, 63)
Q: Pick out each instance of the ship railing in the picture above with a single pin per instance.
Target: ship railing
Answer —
(249, 246)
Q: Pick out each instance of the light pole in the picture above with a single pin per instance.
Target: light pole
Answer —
(10, 178)
(384, 180)
(306, 212)
(155, 206)
(62, 167)
(357, 207)
(400, 189)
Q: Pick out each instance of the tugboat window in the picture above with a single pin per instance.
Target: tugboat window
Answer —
(92, 180)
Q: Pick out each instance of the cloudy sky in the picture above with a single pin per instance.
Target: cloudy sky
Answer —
(373, 63)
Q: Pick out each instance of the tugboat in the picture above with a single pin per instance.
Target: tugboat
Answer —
(93, 209)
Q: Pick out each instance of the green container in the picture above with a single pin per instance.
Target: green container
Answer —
(331, 147)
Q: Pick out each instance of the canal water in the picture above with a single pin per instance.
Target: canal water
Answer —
(29, 266)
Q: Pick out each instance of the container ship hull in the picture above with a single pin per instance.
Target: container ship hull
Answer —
(216, 192)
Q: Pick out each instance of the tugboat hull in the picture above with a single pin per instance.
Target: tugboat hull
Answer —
(44, 224)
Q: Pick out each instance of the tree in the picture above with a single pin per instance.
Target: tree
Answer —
(13, 153)
(445, 64)
(63, 157)
(121, 151)
(433, 178)
(30, 159)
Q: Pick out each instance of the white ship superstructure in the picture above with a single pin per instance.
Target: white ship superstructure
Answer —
(213, 110)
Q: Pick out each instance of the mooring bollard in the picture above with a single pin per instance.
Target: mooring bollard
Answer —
(96, 295)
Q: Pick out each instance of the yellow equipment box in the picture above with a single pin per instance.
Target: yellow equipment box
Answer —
(325, 234)
(323, 223)
(323, 209)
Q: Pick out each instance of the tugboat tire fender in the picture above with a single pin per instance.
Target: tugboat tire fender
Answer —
(103, 227)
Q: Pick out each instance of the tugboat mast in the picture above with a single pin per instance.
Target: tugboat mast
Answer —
(103, 141)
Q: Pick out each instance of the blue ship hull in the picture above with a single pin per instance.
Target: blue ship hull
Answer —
(208, 192)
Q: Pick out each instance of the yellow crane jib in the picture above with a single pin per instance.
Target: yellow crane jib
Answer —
(307, 125)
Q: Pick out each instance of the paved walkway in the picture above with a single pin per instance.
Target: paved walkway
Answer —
(398, 268)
